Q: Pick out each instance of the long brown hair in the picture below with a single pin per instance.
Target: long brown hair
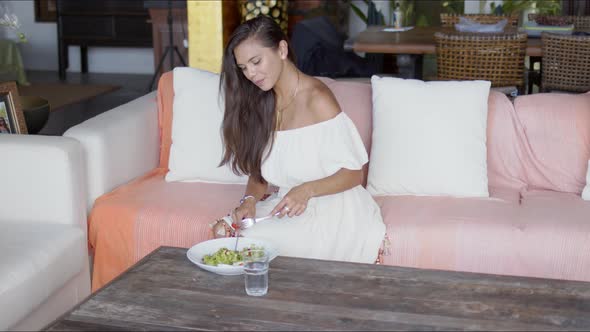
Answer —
(249, 121)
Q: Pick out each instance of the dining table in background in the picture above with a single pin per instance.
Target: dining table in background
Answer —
(415, 43)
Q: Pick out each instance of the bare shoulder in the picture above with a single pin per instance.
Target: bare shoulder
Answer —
(321, 102)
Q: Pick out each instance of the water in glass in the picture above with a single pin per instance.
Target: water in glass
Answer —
(256, 274)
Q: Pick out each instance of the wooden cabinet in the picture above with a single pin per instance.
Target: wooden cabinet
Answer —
(100, 23)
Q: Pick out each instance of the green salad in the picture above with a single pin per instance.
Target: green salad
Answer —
(229, 257)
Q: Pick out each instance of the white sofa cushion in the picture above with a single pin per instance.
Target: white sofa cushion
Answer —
(586, 192)
(197, 147)
(429, 138)
(119, 145)
(43, 180)
(36, 260)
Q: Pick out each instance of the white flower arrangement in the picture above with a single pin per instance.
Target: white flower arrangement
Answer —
(11, 21)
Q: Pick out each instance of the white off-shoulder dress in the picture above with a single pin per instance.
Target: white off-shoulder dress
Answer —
(346, 226)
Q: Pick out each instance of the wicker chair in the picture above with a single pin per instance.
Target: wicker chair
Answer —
(498, 58)
(580, 22)
(449, 20)
(566, 63)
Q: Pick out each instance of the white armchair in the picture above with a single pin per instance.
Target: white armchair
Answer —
(44, 268)
(119, 145)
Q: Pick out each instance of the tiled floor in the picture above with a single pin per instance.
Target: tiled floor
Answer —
(132, 86)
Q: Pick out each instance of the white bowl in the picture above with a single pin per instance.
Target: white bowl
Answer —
(195, 253)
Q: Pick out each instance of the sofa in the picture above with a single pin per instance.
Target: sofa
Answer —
(534, 223)
(44, 269)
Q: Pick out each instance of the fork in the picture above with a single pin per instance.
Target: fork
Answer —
(237, 239)
(249, 222)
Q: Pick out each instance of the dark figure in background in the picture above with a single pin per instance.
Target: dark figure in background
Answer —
(319, 50)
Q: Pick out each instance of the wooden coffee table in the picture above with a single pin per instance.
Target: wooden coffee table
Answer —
(165, 291)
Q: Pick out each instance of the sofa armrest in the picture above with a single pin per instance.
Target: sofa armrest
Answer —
(119, 145)
(43, 179)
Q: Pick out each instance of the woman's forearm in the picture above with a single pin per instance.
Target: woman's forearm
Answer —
(295, 202)
(340, 181)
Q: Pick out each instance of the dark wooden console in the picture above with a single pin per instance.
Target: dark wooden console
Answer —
(100, 23)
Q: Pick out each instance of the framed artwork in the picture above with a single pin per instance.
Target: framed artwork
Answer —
(12, 119)
(45, 10)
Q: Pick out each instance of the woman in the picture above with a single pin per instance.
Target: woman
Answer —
(4, 126)
(283, 127)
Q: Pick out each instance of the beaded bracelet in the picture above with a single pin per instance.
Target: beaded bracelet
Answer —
(245, 198)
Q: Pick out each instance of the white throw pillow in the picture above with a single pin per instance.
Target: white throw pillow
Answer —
(429, 138)
(197, 147)
(586, 192)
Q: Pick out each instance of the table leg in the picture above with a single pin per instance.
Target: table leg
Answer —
(410, 65)
(533, 76)
(375, 60)
(84, 58)
(62, 60)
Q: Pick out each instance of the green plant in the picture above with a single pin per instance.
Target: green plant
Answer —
(405, 6)
(548, 7)
(454, 6)
(358, 11)
(365, 17)
(407, 9)
(422, 21)
(509, 7)
(10, 21)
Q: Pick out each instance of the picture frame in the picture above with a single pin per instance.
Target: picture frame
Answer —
(12, 118)
(45, 10)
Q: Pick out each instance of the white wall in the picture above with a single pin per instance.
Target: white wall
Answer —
(472, 7)
(40, 53)
(479, 6)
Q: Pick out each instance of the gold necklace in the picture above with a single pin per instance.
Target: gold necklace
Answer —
(280, 111)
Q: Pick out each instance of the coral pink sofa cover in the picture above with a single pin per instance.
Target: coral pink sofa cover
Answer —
(524, 228)
(557, 130)
(535, 222)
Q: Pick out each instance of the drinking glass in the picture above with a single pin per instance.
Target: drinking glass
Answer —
(256, 272)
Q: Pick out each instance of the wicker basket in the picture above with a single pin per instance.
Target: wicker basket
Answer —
(449, 20)
(498, 58)
(566, 63)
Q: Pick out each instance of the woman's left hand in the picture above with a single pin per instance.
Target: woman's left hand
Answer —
(295, 202)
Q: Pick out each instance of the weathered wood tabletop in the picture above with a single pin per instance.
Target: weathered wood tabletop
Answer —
(165, 291)
(419, 40)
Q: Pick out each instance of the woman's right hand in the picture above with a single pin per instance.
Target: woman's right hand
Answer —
(246, 210)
